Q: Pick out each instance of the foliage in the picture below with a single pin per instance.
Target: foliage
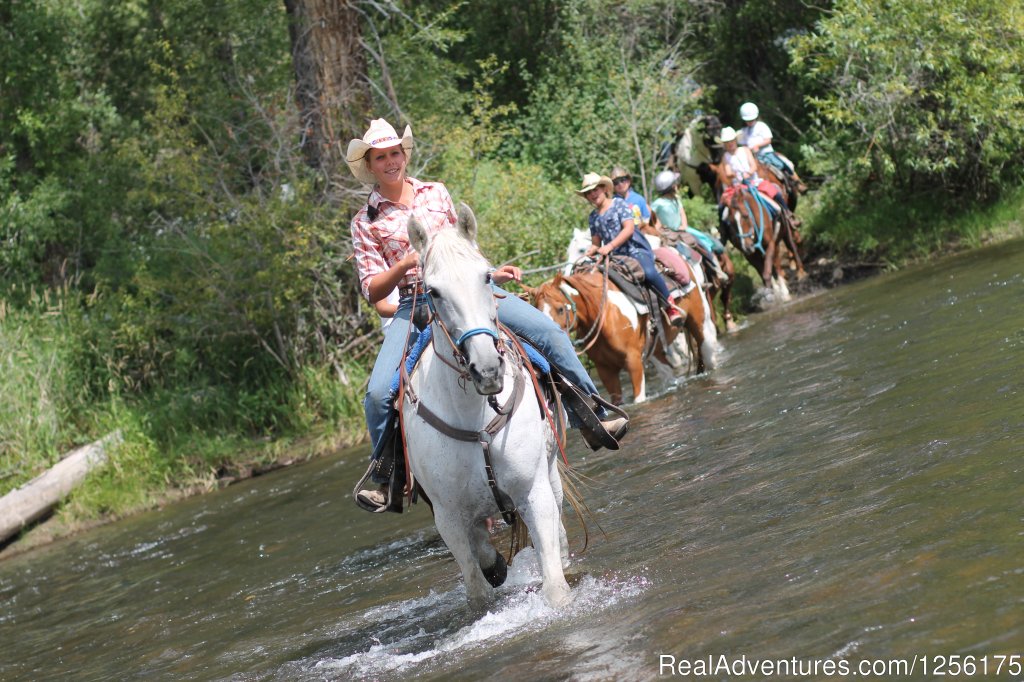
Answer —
(917, 97)
(170, 267)
(745, 46)
(618, 89)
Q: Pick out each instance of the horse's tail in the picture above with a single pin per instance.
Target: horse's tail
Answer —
(571, 481)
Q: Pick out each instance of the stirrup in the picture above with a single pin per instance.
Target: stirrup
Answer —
(389, 466)
(593, 430)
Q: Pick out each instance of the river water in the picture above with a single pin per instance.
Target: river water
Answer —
(847, 487)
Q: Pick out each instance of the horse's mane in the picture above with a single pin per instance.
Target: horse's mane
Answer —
(449, 251)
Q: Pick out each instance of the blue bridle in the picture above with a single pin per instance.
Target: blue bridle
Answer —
(474, 332)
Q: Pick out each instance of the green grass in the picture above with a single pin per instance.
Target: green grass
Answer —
(894, 231)
(174, 439)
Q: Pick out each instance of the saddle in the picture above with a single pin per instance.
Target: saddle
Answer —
(628, 276)
(389, 467)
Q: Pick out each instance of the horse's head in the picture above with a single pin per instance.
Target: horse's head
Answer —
(577, 248)
(552, 299)
(711, 129)
(457, 278)
(745, 220)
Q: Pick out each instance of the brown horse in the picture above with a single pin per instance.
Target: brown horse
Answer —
(753, 230)
(615, 334)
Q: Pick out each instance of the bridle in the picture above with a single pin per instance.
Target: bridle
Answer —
(461, 363)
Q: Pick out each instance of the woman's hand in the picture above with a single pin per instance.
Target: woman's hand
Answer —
(410, 260)
(507, 273)
(604, 250)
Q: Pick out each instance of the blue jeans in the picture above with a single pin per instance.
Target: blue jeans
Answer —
(513, 312)
(651, 274)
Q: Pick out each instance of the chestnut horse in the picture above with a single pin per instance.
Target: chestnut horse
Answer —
(616, 334)
(753, 230)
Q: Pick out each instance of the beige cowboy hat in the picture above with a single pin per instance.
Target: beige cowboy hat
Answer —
(380, 135)
(592, 180)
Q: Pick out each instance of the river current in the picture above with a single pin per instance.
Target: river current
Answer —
(846, 487)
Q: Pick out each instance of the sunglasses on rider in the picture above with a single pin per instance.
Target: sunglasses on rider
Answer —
(620, 180)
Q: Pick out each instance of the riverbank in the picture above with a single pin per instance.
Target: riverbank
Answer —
(142, 478)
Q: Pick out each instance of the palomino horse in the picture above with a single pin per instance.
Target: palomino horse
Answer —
(454, 447)
(695, 150)
(616, 335)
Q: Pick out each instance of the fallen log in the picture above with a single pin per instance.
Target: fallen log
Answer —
(32, 501)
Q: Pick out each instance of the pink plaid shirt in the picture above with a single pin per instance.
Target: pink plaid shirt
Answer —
(380, 244)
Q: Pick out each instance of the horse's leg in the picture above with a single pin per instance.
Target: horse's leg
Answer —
(492, 563)
(789, 237)
(555, 477)
(730, 271)
(770, 256)
(778, 275)
(663, 365)
(610, 378)
(695, 328)
(544, 520)
(459, 535)
(635, 368)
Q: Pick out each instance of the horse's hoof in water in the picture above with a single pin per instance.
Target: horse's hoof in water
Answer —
(498, 572)
(557, 596)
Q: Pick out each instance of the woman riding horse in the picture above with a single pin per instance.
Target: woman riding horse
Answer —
(757, 137)
(741, 170)
(613, 231)
(672, 217)
(385, 260)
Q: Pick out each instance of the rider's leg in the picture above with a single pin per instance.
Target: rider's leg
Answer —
(555, 345)
(654, 280)
(377, 404)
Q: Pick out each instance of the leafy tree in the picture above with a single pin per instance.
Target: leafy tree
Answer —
(744, 47)
(914, 97)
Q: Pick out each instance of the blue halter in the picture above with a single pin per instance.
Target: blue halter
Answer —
(474, 332)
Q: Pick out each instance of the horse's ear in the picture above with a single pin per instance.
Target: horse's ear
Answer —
(417, 235)
(467, 223)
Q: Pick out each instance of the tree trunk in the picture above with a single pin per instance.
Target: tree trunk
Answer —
(32, 501)
(332, 91)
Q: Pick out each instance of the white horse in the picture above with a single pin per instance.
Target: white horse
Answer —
(451, 468)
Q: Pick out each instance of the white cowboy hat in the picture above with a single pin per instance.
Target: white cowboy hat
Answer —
(380, 135)
(592, 180)
(728, 134)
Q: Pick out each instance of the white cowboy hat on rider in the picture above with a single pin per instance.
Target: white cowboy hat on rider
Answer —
(380, 135)
(749, 112)
(728, 134)
(592, 180)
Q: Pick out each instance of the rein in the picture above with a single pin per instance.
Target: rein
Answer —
(759, 234)
(594, 333)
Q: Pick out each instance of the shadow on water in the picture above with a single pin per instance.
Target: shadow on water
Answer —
(847, 486)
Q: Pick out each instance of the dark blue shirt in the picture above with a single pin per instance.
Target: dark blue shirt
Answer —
(607, 227)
